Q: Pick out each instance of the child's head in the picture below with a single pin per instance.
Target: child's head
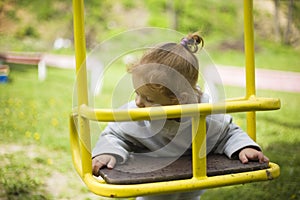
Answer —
(168, 74)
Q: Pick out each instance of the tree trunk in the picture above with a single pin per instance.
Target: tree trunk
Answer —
(277, 21)
(289, 22)
(173, 13)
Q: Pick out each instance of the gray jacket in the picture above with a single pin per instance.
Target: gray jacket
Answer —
(169, 138)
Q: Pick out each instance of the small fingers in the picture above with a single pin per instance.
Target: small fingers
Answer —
(96, 165)
(102, 161)
(262, 158)
(252, 154)
(111, 163)
(243, 158)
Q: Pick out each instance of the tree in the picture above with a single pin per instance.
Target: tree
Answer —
(277, 21)
(286, 36)
(288, 30)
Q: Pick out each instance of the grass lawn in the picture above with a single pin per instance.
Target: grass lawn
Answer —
(268, 55)
(277, 133)
(35, 152)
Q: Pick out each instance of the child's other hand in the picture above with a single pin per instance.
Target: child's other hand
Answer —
(101, 161)
(252, 154)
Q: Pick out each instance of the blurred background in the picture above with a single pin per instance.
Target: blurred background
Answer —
(36, 98)
(47, 26)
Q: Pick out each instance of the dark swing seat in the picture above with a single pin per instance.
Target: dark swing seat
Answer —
(138, 169)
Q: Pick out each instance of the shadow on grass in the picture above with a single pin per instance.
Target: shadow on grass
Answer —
(286, 186)
(20, 70)
(279, 122)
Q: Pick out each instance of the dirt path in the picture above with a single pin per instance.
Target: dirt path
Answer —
(232, 76)
(265, 79)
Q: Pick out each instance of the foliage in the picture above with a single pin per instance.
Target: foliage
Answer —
(27, 31)
(195, 15)
(159, 15)
(48, 20)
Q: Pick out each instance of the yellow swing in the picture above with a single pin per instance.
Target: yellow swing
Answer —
(198, 178)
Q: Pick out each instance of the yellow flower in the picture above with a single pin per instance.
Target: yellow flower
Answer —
(36, 136)
(28, 134)
(50, 161)
(54, 122)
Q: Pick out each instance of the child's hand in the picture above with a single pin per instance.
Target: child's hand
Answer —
(103, 160)
(252, 154)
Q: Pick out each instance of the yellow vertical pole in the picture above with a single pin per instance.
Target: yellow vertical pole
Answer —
(250, 64)
(199, 146)
(81, 81)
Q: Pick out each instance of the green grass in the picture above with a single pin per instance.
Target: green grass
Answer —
(35, 136)
(268, 55)
(35, 140)
(277, 133)
(27, 103)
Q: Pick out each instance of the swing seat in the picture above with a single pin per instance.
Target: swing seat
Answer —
(138, 169)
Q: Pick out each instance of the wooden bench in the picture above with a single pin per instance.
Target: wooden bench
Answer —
(26, 59)
(139, 169)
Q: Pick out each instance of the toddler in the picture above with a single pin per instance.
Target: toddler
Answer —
(167, 74)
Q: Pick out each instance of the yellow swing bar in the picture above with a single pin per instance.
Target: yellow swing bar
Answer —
(249, 64)
(80, 133)
(81, 85)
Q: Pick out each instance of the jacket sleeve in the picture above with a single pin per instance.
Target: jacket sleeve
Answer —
(114, 140)
(111, 142)
(226, 137)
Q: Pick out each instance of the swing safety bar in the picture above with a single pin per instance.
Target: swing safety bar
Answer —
(80, 137)
(177, 111)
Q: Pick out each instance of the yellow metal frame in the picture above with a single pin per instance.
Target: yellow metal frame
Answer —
(80, 117)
